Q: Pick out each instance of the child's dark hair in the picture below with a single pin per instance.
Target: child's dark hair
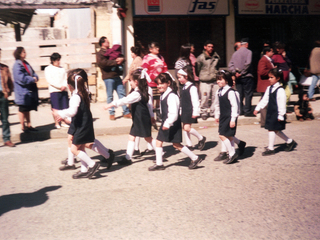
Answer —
(188, 69)
(166, 78)
(277, 73)
(54, 57)
(82, 83)
(226, 75)
(142, 84)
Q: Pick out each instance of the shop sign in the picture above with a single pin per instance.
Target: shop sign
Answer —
(180, 7)
(279, 7)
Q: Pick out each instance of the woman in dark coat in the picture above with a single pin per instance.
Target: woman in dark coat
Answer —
(25, 88)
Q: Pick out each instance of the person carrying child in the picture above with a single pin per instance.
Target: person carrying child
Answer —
(114, 53)
(170, 130)
(190, 106)
(302, 108)
(227, 119)
(275, 97)
(81, 127)
(142, 113)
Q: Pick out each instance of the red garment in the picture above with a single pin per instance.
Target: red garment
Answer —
(282, 63)
(26, 67)
(114, 52)
(264, 66)
(154, 65)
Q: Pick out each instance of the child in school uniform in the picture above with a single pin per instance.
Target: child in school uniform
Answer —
(141, 113)
(275, 97)
(227, 119)
(223, 155)
(97, 146)
(190, 106)
(170, 130)
(81, 127)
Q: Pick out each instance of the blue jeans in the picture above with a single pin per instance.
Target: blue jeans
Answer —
(115, 84)
(315, 79)
(4, 111)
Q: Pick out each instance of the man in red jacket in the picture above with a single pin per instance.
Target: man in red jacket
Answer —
(264, 66)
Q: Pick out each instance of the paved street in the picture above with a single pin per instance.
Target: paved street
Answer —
(275, 197)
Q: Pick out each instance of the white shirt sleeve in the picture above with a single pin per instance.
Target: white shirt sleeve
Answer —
(131, 98)
(264, 101)
(234, 105)
(150, 102)
(195, 101)
(216, 106)
(173, 110)
(281, 101)
(74, 104)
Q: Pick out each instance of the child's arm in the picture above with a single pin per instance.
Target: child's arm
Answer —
(131, 98)
(234, 108)
(195, 101)
(74, 104)
(217, 108)
(173, 111)
(150, 105)
(263, 102)
(281, 101)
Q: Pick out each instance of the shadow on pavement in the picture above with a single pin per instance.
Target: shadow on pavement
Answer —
(16, 201)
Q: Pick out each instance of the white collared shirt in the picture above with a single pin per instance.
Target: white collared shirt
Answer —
(74, 104)
(233, 97)
(173, 107)
(194, 98)
(281, 100)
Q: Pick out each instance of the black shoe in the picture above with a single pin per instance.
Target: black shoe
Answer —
(136, 154)
(109, 160)
(231, 159)
(268, 152)
(80, 175)
(241, 147)
(148, 152)
(64, 162)
(93, 170)
(67, 167)
(156, 167)
(290, 146)
(195, 163)
(249, 115)
(202, 143)
(124, 161)
(221, 156)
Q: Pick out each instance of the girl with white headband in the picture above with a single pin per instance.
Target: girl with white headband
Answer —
(142, 113)
(189, 106)
(81, 127)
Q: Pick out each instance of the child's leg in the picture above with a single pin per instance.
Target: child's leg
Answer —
(226, 141)
(195, 160)
(130, 147)
(86, 162)
(159, 150)
(151, 142)
(186, 133)
(284, 137)
(236, 140)
(70, 154)
(98, 147)
(136, 144)
(272, 137)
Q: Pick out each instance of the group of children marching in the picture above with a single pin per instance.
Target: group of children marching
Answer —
(177, 113)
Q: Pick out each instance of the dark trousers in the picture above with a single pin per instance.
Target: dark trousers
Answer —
(4, 111)
(245, 88)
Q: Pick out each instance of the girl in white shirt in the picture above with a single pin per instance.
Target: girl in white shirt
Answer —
(275, 97)
(189, 104)
(170, 130)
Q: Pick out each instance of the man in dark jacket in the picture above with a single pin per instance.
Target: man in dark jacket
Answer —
(6, 88)
(111, 77)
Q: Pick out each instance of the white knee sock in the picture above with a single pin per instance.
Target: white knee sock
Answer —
(187, 138)
(159, 160)
(196, 134)
(84, 166)
(130, 150)
(99, 148)
(136, 143)
(236, 140)
(284, 137)
(84, 157)
(223, 147)
(152, 146)
(190, 154)
(228, 145)
(70, 157)
(272, 137)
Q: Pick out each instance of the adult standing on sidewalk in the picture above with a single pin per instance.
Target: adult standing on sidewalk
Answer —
(240, 65)
(314, 68)
(25, 88)
(264, 66)
(6, 88)
(111, 77)
(207, 66)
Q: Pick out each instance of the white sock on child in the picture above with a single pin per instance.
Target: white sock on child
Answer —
(99, 148)
(284, 137)
(84, 166)
(152, 146)
(70, 157)
(84, 157)
(223, 147)
(130, 150)
(272, 137)
(228, 145)
(136, 143)
(187, 138)
(196, 134)
(159, 161)
(236, 140)
(190, 154)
